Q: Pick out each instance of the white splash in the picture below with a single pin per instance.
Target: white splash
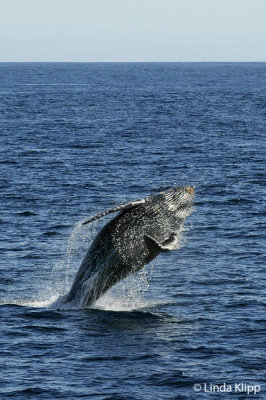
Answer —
(128, 294)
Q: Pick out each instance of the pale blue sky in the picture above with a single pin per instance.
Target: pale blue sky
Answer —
(132, 30)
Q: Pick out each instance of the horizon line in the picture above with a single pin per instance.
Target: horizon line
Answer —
(133, 62)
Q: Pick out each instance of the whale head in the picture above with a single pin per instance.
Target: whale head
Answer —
(176, 201)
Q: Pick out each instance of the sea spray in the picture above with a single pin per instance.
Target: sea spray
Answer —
(77, 244)
(128, 294)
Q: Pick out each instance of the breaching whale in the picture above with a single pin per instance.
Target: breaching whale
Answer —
(128, 242)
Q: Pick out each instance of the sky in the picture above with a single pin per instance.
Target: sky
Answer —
(132, 30)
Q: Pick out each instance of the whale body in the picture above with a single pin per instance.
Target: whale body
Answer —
(142, 229)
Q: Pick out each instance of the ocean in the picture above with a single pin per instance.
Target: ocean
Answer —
(77, 138)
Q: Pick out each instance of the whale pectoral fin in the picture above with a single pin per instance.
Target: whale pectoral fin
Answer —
(170, 243)
(122, 207)
(154, 245)
(132, 204)
(167, 245)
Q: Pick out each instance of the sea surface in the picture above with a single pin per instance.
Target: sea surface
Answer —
(78, 138)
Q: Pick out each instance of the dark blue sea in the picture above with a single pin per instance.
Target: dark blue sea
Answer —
(78, 138)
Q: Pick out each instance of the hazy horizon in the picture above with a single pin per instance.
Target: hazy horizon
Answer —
(132, 31)
(133, 62)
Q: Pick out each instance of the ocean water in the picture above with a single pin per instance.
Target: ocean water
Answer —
(76, 139)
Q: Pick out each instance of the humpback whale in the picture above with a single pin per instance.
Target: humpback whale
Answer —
(142, 229)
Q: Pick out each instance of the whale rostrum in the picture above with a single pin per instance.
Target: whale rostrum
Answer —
(141, 230)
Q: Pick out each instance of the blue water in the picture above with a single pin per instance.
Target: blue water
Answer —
(76, 139)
